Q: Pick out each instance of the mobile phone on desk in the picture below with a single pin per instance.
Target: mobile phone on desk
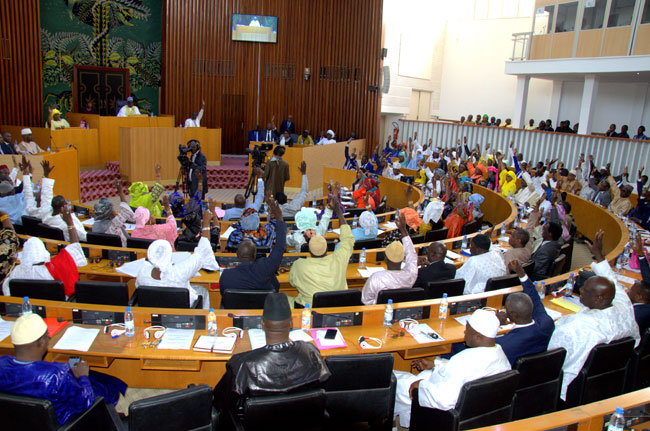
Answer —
(331, 334)
(73, 360)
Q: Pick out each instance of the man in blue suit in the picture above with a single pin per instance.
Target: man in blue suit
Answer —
(639, 293)
(255, 135)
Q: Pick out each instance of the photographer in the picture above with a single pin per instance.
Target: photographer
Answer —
(198, 162)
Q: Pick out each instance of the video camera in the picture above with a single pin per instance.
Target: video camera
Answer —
(258, 154)
(182, 156)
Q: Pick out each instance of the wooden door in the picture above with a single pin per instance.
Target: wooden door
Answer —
(233, 133)
(101, 86)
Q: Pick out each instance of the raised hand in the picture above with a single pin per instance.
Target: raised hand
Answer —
(46, 168)
(596, 247)
(302, 167)
(515, 266)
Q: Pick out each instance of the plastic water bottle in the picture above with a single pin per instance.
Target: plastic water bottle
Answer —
(619, 264)
(48, 149)
(212, 323)
(465, 242)
(617, 420)
(313, 201)
(355, 221)
(388, 313)
(306, 317)
(542, 290)
(571, 282)
(129, 324)
(396, 213)
(538, 289)
(26, 307)
(515, 223)
(443, 310)
(69, 205)
(503, 230)
(362, 259)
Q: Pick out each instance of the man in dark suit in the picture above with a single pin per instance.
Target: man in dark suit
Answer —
(288, 125)
(5, 146)
(270, 134)
(547, 252)
(198, 163)
(255, 135)
(436, 269)
(639, 294)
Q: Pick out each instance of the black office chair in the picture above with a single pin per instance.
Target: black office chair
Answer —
(638, 375)
(435, 289)
(603, 374)
(351, 212)
(163, 297)
(186, 409)
(558, 265)
(236, 299)
(368, 244)
(470, 227)
(185, 245)
(51, 290)
(105, 239)
(496, 283)
(30, 225)
(528, 267)
(293, 411)
(401, 295)
(138, 242)
(567, 250)
(337, 298)
(417, 239)
(361, 389)
(482, 402)
(540, 381)
(436, 235)
(102, 292)
(49, 232)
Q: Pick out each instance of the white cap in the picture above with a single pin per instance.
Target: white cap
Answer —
(26, 132)
(330, 132)
(397, 165)
(484, 322)
(129, 99)
(27, 329)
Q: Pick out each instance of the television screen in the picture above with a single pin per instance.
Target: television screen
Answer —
(254, 28)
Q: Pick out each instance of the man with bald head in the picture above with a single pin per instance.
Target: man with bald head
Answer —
(608, 315)
(234, 213)
(252, 273)
(437, 269)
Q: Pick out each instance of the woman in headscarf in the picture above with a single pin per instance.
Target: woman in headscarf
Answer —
(249, 227)
(368, 226)
(508, 183)
(145, 226)
(369, 190)
(36, 264)
(9, 245)
(413, 223)
(476, 200)
(140, 196)
(306, 225)
(106, 222)
(431, 217)
(455, 221)
(159, 270)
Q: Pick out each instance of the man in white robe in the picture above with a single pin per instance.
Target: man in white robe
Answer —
(195, 120)
(481, 266)
(608, 316)
(129, 109)
(440, 381)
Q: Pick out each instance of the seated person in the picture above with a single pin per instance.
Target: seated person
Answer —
(350, 159)
(146, 227)
(279, 367)
(11, 243)
(322, 272)
(72, 390)
(394, 277)
(305, 138)
(482, 265)
(545, 255)
(436, 268)
(461, 215)
(621, 202)
(521, 244)
(159, 270)
(27, 145)
(235, 212)
(107, 222)
(140, 196)
(249, 227)
(36, 264)
(55, 218)
(609, 316)
(252, 273)
(641, 213)
(289, 209)
(34, 204)
(307, 227)
(439, 382)
(368, 227)
(54, 120)
(12, 203)
(639, 293)
(570, 183)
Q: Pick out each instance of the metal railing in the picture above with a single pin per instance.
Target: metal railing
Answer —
(521, 46)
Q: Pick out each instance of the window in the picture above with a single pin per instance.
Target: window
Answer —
(645, 18)
(566, 17)
(544, 19)
(594, 14)
(620, 13)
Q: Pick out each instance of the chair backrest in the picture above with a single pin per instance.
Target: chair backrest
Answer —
(417, 239)
(487, 401)
(98, 417)
(496, 283)
(540, 381)
(337, 298)
(351, 212)
(163, 297)
(30, 225)
(558, 265)
(45, 231)
(285, 411)
(435, 289)
(138, 242)
(106, 239)
(102, 292)
(470, 227)
(529, 267)
(51, 290)
(236, 299)
(186, 409)
(401, 295)
(27, 413)
(353, 372)
(638, 375)
(436, 235)
(368, 244)
(185, 245)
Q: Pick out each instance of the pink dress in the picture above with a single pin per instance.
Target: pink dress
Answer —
(167, 231)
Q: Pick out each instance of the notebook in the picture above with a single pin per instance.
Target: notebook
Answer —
(569, 305)
(322, 343)
(207, 343)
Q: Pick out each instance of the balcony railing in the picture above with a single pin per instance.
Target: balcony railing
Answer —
(521, 46)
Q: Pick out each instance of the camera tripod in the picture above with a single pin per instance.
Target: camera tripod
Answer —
(182, 180)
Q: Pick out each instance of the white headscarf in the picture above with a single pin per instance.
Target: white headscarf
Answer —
(367, 221)
(34, 252)
(433, 211)
(159, 254)
(305, 219)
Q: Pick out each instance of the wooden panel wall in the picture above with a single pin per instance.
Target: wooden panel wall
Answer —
(20, 63)
(311, 33)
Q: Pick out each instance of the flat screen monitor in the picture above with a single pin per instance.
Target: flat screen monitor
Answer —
(254, 28)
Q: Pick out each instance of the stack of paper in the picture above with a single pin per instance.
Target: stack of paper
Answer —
(89, 222)
(5, 328)
(390, 225)
(569, 303)
(76, 338)
(422, 333)
(257, 338)
(207, 343)
(553, 314)
(227, 233)
(299, 335)
(365, 273)
(452, 255)
(177, 339)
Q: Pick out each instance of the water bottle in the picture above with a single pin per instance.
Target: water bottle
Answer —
(627, 253)
(465, 242)
(503, 230)
(362, 259)
(619, 264)
(542, 290)
(69, 205)
(355, 221)
(306, 317)
(48, 149)
(313, 202)
(396, 213)
(537, 288)
(617, 420)
(26, 307)
(443, 311)
(515, 223)
(212, 323)
(129, 324)
(388, 313)
(571, 282)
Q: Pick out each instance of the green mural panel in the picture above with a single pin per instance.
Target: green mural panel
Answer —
(107, 33)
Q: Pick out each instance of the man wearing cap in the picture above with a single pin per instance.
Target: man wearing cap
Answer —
(394, 277)
(27, 145)
(129, 109)
(482, 265)
(54, 120)
(439, 382)
(279, 367)
(72, 390)
(322, 272)
(331, 137)
(570, 183)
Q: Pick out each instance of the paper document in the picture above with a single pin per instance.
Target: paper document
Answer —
(177, 339)
(337, 231)
(365, 273)
(568, 302)
(299, 335)
(76, 338)
(227, 233)
(5, 328)
(89, 222)
(447, 260)
(452, 255)
(390, 225)
(257, 337)
(207, 343)
(504, 238)
(625, 279)
(422, 333)
(553, 314)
